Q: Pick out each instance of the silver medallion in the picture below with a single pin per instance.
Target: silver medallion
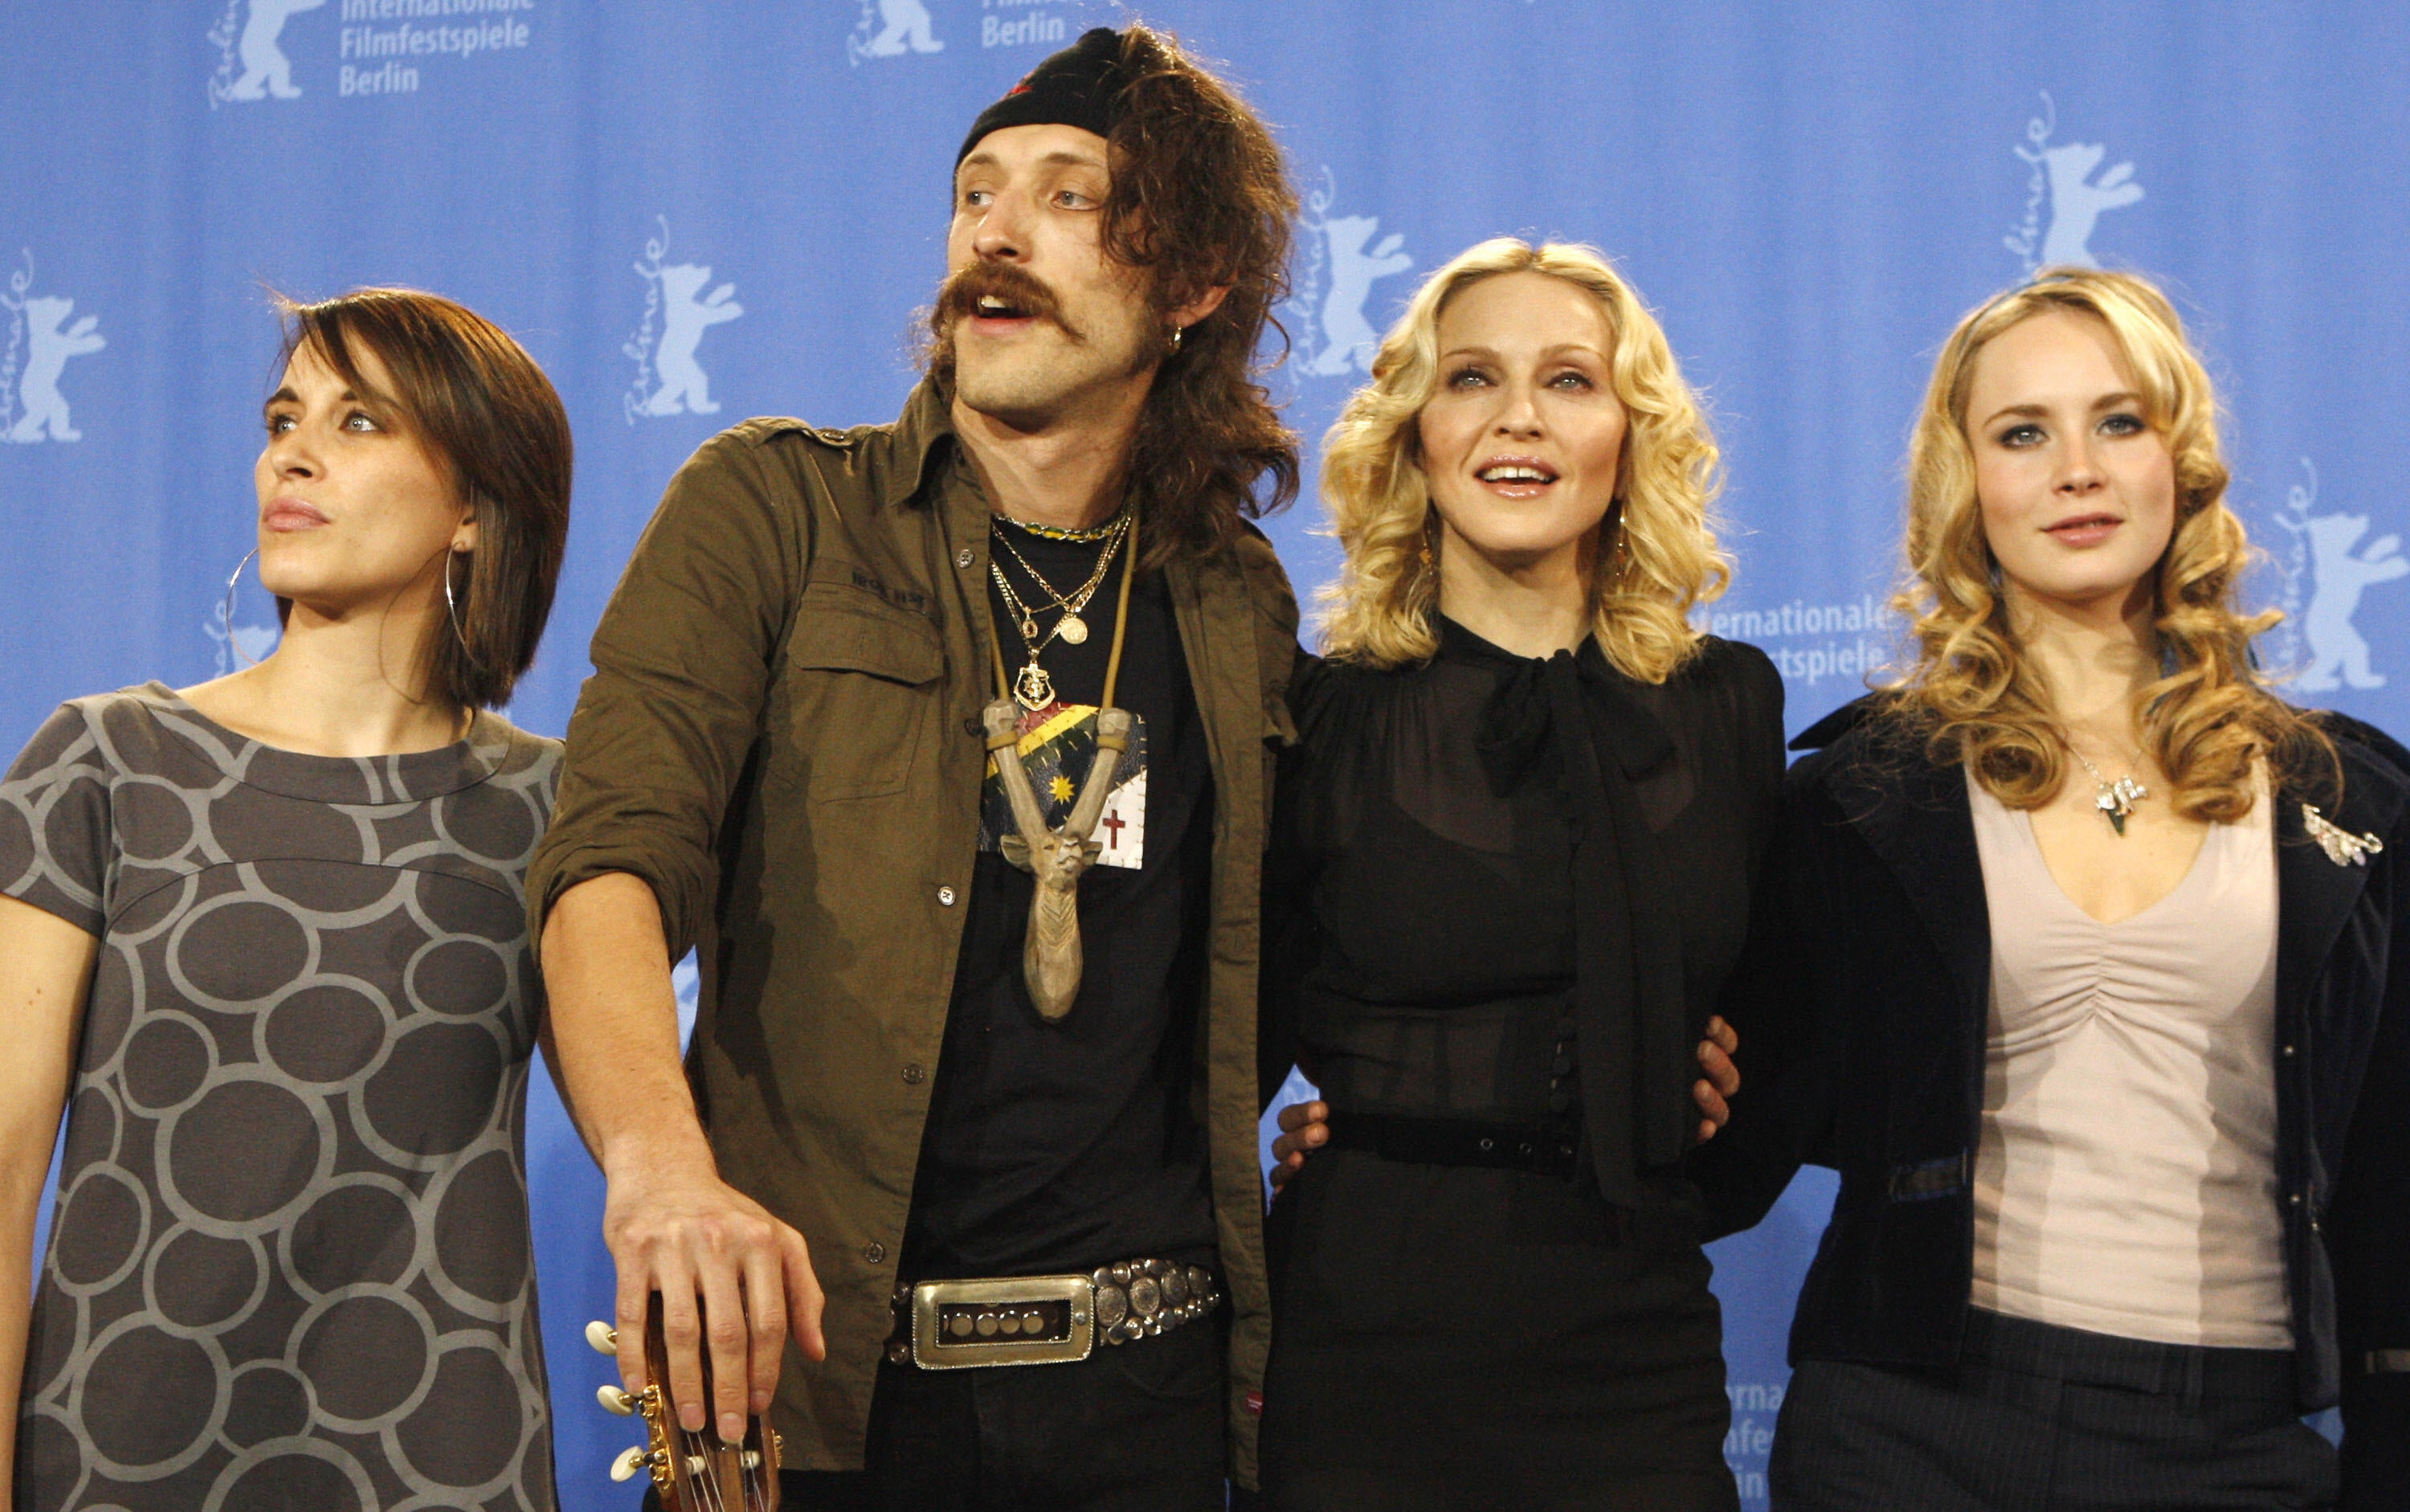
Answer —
(1073, 629)
(1112, 1306)
(1175, 1286)
(1146, 1298)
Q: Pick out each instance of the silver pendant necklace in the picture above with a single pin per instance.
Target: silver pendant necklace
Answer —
(2115, 800)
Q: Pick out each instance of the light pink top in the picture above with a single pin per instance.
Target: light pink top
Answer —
(2125, 1179)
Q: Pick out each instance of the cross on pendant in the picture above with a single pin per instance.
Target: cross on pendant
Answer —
(1114, 822)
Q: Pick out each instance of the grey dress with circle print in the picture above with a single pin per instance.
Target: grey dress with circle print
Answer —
(290, 1262)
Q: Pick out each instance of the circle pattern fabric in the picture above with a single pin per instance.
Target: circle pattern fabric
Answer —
(290, 1263)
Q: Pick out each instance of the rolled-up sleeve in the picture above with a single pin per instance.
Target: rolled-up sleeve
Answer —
(683, 660)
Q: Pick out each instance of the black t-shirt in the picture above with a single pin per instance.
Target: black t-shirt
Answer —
(1064, 1146)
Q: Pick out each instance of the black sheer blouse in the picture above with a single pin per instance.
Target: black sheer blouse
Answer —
(1470, 916)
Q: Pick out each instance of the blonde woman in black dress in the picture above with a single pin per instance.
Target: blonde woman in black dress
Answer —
(264, 940)
(1517, 847)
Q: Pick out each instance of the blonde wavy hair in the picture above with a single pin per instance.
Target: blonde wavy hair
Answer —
(1657, 557)
(2211, 717)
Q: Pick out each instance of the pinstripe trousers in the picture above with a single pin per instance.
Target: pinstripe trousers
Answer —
(2040, 1418)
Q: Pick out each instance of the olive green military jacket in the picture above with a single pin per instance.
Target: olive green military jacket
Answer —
(782, 736)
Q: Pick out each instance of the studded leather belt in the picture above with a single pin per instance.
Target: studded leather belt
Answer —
(1046, 1320)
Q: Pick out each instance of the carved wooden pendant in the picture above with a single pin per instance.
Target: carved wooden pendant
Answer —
(1050, 961)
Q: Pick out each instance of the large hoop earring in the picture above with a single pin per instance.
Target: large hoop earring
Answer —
(452, 610)
(226, 609)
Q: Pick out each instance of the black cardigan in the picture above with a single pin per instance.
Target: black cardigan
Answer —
(1863, 1050)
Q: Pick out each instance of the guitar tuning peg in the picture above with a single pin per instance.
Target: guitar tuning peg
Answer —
(614, 1401)
(629, 1463)
(603, 1337)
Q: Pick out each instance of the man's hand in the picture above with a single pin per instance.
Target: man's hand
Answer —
(674, 1228)
(1711, 1091)
(1305, 1127)
(715, 1256)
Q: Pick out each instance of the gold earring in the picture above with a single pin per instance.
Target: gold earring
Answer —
(1177, 333)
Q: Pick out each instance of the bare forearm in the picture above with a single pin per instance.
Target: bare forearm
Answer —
(673, 1226)
(613, 1017)
(45, 973)
(20, 1195)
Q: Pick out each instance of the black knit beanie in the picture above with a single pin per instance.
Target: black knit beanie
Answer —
(1079, 86)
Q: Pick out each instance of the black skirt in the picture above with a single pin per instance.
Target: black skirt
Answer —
(1451, 1337)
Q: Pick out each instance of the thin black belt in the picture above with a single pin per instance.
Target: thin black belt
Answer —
(2030, 1347)
(1546, 1148)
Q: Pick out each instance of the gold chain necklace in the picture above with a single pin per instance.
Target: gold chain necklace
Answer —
(1033, 689)
(1064, 532)
(1078, 600)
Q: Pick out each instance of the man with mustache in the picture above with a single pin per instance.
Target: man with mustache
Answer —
(896, 1140)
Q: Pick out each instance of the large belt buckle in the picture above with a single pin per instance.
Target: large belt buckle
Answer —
(1025, 1320)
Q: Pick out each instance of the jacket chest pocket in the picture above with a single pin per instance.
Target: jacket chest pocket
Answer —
(862, 692)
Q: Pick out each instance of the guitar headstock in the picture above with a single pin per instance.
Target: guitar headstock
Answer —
(692, 1471)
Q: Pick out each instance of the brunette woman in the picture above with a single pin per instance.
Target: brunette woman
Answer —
(264, 940)
(1515, 849)
(2097, 1005)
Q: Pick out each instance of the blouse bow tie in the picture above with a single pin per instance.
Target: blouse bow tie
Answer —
(1571, 716)
(1543, 694)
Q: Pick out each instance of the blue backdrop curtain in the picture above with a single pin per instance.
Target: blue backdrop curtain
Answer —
(693, 212)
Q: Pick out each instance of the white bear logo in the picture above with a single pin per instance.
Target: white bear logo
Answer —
(669, 380)
(2340, 575)
(41, 410)
(2340, 571)
(890, 27)
(2063, 181)
(1348, 340)
(683, 383)
(266, 70)
(1335, 248)
(2077, 199)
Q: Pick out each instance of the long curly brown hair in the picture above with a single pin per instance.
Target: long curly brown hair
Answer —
(1200, 199)
(2211, 717)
